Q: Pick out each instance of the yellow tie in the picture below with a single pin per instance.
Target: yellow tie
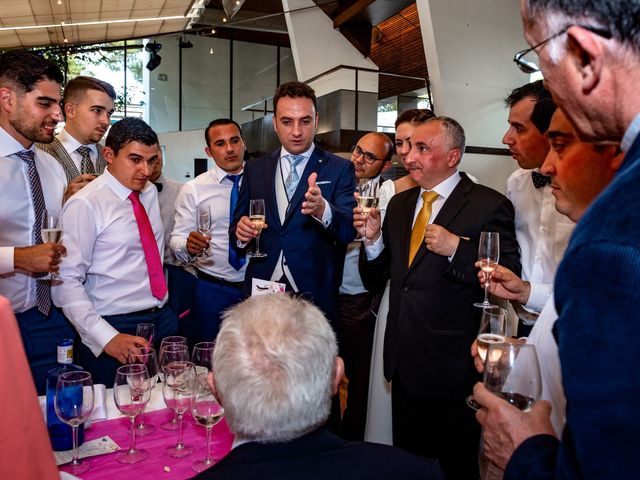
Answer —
(417, 234)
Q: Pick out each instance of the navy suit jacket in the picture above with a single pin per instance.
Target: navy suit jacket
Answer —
(321, 455)
(597, 294)
(314, 254)
(432, 321)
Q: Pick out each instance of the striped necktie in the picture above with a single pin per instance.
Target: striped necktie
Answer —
(291, 183)
(86, 166)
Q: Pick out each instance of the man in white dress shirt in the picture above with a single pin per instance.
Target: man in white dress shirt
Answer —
(112, 277)
(30, 181)
(542, 232)
(219, 265)
(88, 105)
(168, 191)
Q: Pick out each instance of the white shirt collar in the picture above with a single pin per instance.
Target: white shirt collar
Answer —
(306, 154)
(631, 134)
(445, 187)
(9, 145)
(219, 174)
(71, 144)
(119, 189)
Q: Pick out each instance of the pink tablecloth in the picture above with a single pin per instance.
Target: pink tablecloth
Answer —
(106, 467)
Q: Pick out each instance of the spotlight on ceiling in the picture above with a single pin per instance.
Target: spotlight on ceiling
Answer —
(231, 7)
(154, 58)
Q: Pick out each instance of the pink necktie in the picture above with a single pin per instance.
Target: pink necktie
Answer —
(150, 247)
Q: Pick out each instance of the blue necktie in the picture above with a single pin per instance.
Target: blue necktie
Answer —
(291, 183)
(235, 259)
(43, 290)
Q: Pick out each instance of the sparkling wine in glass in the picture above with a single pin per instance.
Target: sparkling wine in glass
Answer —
(257, 217)
(202, 356)
(177, 390)
(73, 404)
(207, 412)
(368, 198)
(51, 232)
(172, 352)
(148, 358)
(488, 256)
(492, 329)
(131, 393)
(203, 222)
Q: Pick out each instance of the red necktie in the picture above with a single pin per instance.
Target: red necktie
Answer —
(150, 247)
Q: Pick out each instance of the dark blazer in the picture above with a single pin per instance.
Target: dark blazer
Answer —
(320, 455)
(57, 151)
(432, 321)
(314, 254)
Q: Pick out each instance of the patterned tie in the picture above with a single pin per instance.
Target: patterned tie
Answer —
(43, 289)
(235, 260)
(540, 180)
(291, 183)
(417, 234)
(150, 247)
(86, 166)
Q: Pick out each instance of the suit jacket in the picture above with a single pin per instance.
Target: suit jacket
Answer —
(432, 321)
(320, 455)
(597, 293)
(314, 254)
(57, 150)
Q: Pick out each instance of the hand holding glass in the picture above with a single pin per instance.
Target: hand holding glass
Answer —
(73, 404)
(203, 220)
(368, 198)
(488, 256)
(492, 329)
(207, 412)
(257, 217)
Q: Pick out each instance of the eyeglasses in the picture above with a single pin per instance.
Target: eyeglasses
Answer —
(368, 157)
(527, 66)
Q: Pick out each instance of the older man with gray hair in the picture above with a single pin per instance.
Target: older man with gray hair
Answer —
(276, 369)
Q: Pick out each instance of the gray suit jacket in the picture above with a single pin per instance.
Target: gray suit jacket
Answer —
(57, 150)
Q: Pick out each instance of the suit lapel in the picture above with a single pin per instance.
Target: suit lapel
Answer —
(65, 159)
(271, 162)
(101, 163)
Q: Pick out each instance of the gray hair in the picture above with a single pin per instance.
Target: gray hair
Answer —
(274, 365)
(453, 132)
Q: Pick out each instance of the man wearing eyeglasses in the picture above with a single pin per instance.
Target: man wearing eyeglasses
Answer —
(589, 53)
(357, 305)
(542, 232)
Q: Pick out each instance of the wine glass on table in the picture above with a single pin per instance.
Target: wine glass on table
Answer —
(51, 232)
(488, 256)
(368, 198)
(73, 404)
(207, 411)
(172, 352)
(202, 356)
(148, 358)
(257, 216)
(177, 390)
(146, 331)
(203, 223)
(131, 393)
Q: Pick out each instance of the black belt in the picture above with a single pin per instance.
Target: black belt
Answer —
(146, 311)
(220, 281)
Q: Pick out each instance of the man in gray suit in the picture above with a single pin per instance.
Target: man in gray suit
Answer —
(88, 105)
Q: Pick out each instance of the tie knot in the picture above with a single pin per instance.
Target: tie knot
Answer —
(84, 151)
(429, 197)
(234, 178)
(294, 160)
(134, 196)
(26, 155)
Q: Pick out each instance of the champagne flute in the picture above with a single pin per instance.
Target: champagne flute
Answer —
(257, 216)
(172, 352)
(203, 223)
(202, 356)
(149, 359)
(146, 331)
(488, 256)
(207, 411)
(131, 393)
(177, 390)
(368, 198)
(73, 404)
(51, 232)
(492, 329)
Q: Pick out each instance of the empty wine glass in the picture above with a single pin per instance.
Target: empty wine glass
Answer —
(73, 404)
(203, 222)
(203, 356)
(172, 352)
(148, 358)
(488, 256)
(146, 331)
(131, 393)
(207, 412)
(51, 232)
(492, 329)
(368, 198)
(177, 390)
(257, 216)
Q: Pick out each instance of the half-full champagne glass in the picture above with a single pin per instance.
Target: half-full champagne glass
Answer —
(51, 232)
(488, 256)
(368, 198)
(257, 217)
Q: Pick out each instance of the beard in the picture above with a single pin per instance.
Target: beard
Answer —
(35, 133)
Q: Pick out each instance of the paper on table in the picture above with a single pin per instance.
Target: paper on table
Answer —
(99, 446)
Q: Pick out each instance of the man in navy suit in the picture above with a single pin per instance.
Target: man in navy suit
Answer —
(590, 56)
(308, 195)
(276, 367)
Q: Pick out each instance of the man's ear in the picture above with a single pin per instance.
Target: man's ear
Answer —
(454, 157)
(587, 51)
(339, 375)
(107, 153)
(6, 99)
(69, 110)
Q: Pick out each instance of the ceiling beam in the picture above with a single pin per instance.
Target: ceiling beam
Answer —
(351, 12)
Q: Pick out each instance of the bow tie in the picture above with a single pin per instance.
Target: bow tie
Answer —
(540, 180)
(158, 186)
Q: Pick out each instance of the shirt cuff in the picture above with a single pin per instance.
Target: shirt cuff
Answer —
(327, 216)
(6, 260)
(540, 293)
(373, 248)
(99, 335)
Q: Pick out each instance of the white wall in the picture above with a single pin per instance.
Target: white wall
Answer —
(180, 150)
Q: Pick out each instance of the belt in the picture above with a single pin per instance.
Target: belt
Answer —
(220, 281)
(146, 311)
